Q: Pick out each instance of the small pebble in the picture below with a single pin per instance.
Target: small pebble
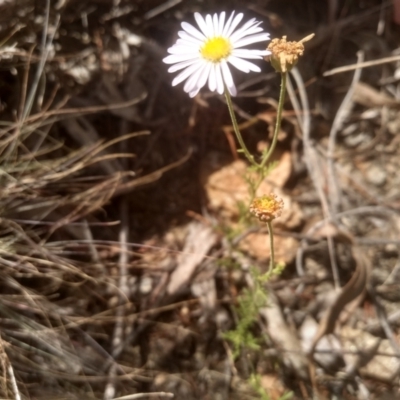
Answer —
(391, 249)
(356, 140)
(146, 285)
(376, 175)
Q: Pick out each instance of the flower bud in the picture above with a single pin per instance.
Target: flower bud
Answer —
(284, 54)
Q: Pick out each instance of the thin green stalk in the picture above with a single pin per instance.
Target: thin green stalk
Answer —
(278, 120)
(236, 127)
(271, 245)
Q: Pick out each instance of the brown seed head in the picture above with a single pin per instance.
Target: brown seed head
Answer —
(284, 54)
(266, 208)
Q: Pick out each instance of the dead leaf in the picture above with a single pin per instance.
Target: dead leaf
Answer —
(273, 386)
(257, 246)
(226, 186)
(198, 243)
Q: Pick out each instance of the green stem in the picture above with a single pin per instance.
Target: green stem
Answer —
(236, 128)
(278, 120)
(271, 245)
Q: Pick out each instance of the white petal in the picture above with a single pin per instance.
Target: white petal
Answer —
(202, 24)
(193, 31)
(261, 37)
(191, 83)
(181, 65)
(185, 36)
(194, 46)
(194, 92)
(226, 73)
(234, 24)
(204, 75)
(212, 82)
(176, 58)
(238, 35)
(180, 49)
(221, 23)
(186, 73)
(218, 76)
(201, 79)
(228, 24)
(237, 62)
(243, 65)
(248, 25)
(251, 54)
(210, 25)
(216, 24)
(232, 90)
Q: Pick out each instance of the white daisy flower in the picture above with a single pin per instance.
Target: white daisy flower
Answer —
(203, 54)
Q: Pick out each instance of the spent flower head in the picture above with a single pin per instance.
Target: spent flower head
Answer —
(204, 53)
(284, 54)
(266, 208)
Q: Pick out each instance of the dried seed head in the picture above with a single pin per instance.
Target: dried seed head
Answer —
(284, 54)
(267, 208)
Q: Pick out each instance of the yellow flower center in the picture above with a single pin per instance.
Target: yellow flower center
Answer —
(216, 49)
(267, 208)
